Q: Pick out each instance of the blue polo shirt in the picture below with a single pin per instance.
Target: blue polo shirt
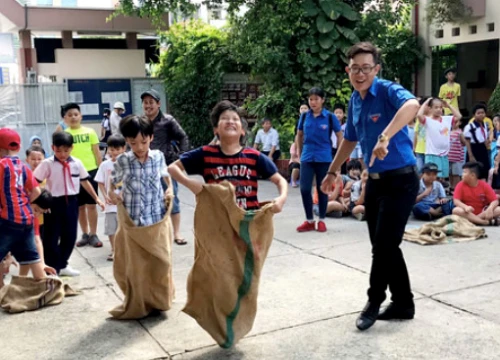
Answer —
(368, 117)
(317, 145)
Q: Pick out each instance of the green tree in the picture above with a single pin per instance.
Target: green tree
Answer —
(440, 12)
(193, 67)
(387, 25)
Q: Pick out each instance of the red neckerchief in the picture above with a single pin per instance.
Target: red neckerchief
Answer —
(66, 171)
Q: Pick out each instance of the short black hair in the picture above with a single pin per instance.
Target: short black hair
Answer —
(267, 119)
(107, 111)
(364, 48)
(479, 106)
(354, 165)
(133, 125)
(67, 107)
(449, 70)
(116, 141)
(431, 103)
(339, 106)
(474, 167)
(34, 148)
(496, 116)
(222, 106)
(423, 99)
(62, 138)
(317, 91)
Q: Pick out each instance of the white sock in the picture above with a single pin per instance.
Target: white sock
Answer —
(310, 221)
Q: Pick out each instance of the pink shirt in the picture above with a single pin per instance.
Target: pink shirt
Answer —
(59, 182)
(294, 157)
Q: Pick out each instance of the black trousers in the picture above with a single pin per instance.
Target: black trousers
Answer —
(60, 231)
(276, 154)
(388, 204)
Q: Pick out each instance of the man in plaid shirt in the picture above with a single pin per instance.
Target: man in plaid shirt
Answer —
(137, 174)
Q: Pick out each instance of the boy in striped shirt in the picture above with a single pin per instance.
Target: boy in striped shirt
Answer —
(19, 190)
(230, 161)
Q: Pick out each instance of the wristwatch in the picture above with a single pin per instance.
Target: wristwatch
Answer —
(383, 138)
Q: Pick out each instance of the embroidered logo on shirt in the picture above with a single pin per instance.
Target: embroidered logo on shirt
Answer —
(324, 127)
(375, 117)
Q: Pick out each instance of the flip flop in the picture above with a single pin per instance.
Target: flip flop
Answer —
(180, 241)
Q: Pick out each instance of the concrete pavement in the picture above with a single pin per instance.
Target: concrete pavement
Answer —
(312, 288)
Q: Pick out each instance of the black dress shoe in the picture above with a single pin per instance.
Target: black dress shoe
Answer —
(368, 316)
(397, 312)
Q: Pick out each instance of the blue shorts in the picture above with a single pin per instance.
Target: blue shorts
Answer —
(421, 210)
(456, 168)
(176, 207)
(442, 163)
(357, 153)
(20, 241)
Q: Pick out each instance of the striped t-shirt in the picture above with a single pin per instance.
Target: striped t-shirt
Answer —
(241, 169)
(456, 153)
(16, 182)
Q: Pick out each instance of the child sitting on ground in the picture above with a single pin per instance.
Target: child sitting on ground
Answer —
(474, 199)
(230, 161)
(116, 147)
(354, 168)
(431, 202)
(357, 204)
(335, 207)
(19, 190)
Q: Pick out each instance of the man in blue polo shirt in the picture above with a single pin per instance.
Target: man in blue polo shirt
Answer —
(379, 111)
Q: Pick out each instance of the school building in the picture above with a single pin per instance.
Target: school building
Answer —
(472, 48)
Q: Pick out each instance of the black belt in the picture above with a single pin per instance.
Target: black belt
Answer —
(389, 173)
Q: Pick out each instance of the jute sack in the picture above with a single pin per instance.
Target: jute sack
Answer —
(448, 229)
(231, 246)
(26, 293)
(142, 266)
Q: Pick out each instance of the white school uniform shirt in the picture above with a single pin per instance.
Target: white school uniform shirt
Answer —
(268, 140)
(437, 135)
(114, 122)
(480, 131)
(103, 176)
(58, 182)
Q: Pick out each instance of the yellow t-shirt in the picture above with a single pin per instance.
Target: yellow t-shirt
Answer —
(489, 124)
(420, 131)
(450, 94)
(40, 218)
(83, 140)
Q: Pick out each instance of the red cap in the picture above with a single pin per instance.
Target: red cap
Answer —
(9, 139)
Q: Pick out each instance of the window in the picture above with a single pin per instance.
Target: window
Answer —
(455, 31)
(491, 27)
(473, 29)
(439, 33)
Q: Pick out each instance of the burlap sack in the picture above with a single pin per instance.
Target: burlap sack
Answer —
(448, 229)
(26, 293)
(142, 266)
(231, 246)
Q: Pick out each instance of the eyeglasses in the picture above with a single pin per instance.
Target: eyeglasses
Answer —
(361, 69)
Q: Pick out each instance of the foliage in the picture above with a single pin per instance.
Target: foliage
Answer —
(293, 46)
(440, 12)
(193, 68)
(494, 102)
(386, 24)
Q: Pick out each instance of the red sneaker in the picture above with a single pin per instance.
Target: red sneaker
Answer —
(321, 226)
(307, 226)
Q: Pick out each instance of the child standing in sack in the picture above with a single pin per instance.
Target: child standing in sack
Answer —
(230, 161)
(144, 235)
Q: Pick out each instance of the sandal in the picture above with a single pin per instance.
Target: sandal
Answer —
(110, 257)
(495, 222)
(180, 241)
